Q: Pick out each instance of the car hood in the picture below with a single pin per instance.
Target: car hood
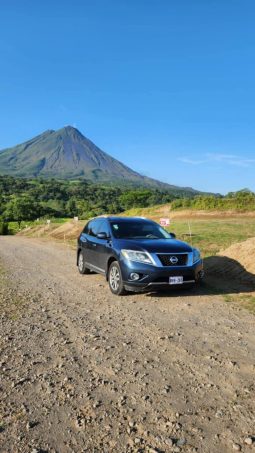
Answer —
(155, 245)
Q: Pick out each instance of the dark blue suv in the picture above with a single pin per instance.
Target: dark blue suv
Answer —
(136, 254)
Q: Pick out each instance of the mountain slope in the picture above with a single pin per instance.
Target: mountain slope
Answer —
(67, 154)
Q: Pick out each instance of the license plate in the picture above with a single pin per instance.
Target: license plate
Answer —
(176, 280)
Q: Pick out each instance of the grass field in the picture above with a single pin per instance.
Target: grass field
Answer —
(211, 236)
(245, 300)
(212, 231)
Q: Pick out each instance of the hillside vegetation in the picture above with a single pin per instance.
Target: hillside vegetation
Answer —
(28, 199)
(243, 200)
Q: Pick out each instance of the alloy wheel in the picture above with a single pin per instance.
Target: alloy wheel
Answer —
(114, 278)
(80, 261)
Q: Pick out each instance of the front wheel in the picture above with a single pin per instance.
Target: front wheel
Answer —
(115, 279)
(81, 264)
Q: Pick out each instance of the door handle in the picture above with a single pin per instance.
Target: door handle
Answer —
(94, 245)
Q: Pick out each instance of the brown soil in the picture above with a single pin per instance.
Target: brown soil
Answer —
(244, 253)
(165, 211)
(68, 230)
(210, 214)
(85, 371)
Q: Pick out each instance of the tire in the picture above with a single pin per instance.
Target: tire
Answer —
(81, 264)
(115, 279)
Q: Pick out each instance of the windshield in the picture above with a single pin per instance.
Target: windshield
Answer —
(138, 230)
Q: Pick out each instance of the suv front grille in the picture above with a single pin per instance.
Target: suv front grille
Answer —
(173, 260)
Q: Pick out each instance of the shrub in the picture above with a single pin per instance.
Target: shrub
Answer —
(4, 228)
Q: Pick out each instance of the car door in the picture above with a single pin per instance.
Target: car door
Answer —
(88, 242)
(92, 242)
(83, 241)
(103, 246)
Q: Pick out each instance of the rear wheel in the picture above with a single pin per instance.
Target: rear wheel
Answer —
(115, 279)
(81, 264)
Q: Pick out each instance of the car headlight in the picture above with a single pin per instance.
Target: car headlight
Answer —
(141, 257)
(196, 255)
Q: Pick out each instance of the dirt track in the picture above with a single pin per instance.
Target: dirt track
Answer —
(84, 371)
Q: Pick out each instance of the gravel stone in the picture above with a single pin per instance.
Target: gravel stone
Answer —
(248, 441)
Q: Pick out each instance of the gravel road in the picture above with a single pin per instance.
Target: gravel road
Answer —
(85, 371)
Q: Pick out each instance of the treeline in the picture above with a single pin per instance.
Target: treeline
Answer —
(243, 200)
(24, 199)
(28, 199)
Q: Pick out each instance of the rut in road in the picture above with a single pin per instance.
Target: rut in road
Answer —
(86, 371)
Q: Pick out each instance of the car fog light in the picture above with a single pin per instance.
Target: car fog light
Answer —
(134, 276)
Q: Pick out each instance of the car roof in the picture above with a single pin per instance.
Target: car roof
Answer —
(125, 219)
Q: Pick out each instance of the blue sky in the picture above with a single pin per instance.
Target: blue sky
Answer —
(165, 86)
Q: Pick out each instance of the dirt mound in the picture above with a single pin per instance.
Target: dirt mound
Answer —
(69, 230)
(243, 253)
(37, 231)
(234, 266)
(158, 211)
(204, 214)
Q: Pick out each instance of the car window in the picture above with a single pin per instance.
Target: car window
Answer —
(104, 228)
(86, 228)
(139, 230)
(93, 227)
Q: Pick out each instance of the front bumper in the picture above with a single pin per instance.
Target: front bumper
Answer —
(155, 276)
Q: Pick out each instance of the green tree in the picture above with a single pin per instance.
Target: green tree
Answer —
(19, 209)
(4, 227)
(71, 207)
(135, 199)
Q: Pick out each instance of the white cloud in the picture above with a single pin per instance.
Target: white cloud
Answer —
(226, 159)
(187, 160)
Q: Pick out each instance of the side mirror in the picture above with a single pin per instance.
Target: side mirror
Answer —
(102, 235)
(173, 235)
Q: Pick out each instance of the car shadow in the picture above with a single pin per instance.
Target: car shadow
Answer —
(223, 275)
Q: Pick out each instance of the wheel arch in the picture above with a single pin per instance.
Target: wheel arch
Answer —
(77, 255)
(109, 262)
